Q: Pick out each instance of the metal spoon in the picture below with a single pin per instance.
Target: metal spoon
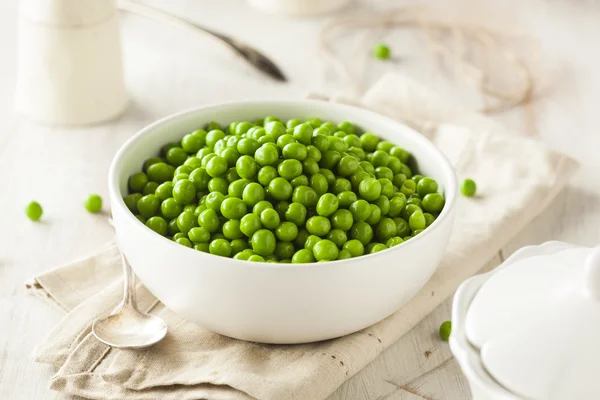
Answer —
(248, 53)
(127, 327)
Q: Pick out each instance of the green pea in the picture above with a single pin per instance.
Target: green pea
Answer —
(275, 128)
(172, 228)
(408, 187)
(137, 182)
(360, 210)
(325, 250)
(300, 240)
(433, 202)
(397, 204)
(253, 193)
(337, 236)
(184, 192)
(233, 208)
(203, 247)
(367, 167)
(200, 178)
(34, 210)
(386, 229)
(318, 225)
(327, 204)
(384, 172)
(303, 256)
(301, 180)
(330, 159)
(179, 235)
(354, 247)
(428, 219)
(220, 247)
(377, 247)
(199, 234)
(314, 153)
(218, 185)
(417, 220)
(266, 175)
(186, 221)
(270, 218)
(284, 250)
(289, 169)
(369, 189)
(231, 229)
(319, 183)
(180, 177)
(284, 140)
(249, 224)
(170, 209)
(296, 151)
(400, 153)
(303, 133)
(337, 144)
(213, 201)
(150, 161)
(167, 147)
(266, 155)
(246, 167)
(305, 195)
(191, 143)
(94, 203)
(426, 186)
(346, 198)
(394, 241)
(260, 207)
(445, 330)
(311, 241)
(287, 232)
(417, 178)
(341, 185)
(374, 215)
(292, 123)
(231, 175)
(310, 166)
(328, 175)
(362, 232)
(209, 220)
(320, 142)
(263, 242)
(184, 242)
(176, 156)
(347, 166)
(280, 189)
(468, 188)
(238, 245)
(369, 141)
(383, 203)
(236, 188)
(148, 205)
(158, 225)
(296, 213)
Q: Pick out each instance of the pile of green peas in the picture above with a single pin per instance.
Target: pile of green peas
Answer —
(284, 191)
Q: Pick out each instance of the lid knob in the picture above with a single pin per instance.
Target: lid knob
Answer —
(592, 274)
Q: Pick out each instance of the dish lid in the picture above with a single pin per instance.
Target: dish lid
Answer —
(536, 324)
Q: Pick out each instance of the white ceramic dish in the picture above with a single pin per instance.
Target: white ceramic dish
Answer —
(279, 303)
(483, 385)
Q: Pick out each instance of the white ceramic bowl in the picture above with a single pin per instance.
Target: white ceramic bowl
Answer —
(279, 303)
(483, 385)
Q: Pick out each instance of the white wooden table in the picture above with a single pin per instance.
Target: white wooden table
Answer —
(168, 70)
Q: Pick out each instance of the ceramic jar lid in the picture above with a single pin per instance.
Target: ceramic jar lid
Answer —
(536, 324)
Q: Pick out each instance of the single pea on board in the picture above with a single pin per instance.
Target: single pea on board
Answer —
(381, 51)
(93, 203)
(468, 188)
(34, 211)
(445, 330)
(277, 191)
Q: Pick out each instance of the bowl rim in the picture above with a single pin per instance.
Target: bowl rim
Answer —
(452, 187)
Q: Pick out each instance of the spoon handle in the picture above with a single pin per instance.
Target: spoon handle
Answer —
(129, 298)
(246, 52)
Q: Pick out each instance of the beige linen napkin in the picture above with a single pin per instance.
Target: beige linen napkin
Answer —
(516, 178)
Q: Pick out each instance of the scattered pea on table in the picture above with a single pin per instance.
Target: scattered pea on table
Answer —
(34, 211)
(445, 330)
(295, 191)
(94, 203)
(381, 51)
(468, 188)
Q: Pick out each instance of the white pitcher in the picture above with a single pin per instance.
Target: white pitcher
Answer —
(69, 62)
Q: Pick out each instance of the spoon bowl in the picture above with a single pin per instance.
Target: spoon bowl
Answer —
(127, 327)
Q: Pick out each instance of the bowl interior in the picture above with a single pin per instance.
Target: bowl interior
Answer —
(148, 142)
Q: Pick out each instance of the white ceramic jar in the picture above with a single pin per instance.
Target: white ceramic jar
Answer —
(298, 7)
(69, 64)
(529, 329)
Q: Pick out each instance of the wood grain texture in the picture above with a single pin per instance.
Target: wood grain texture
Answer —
(60, 167)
